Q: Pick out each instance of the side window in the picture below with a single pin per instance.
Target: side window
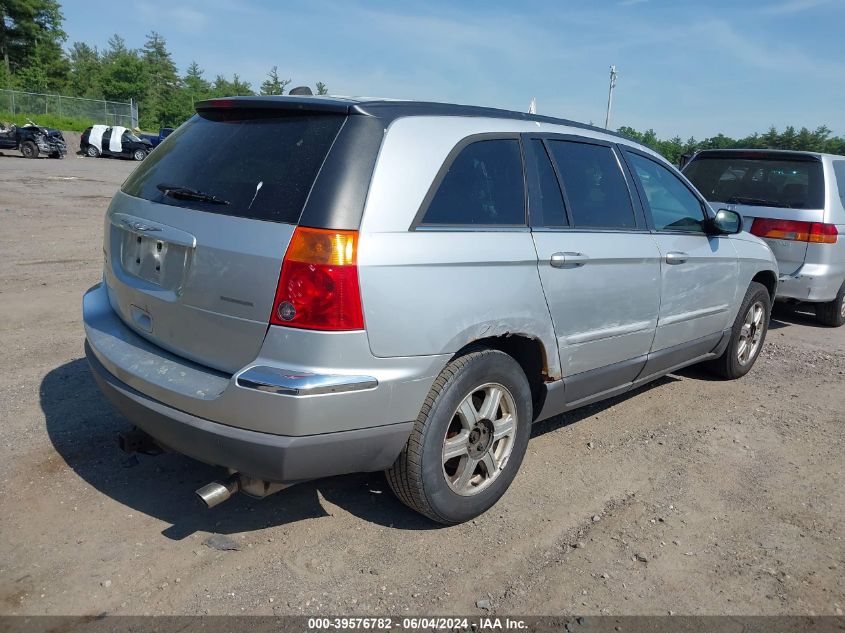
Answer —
(594, 186)
(484, 186)
(839, 171)
(672, 205)
(552, 211)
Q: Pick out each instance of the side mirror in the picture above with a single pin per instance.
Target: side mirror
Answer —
(726, 222)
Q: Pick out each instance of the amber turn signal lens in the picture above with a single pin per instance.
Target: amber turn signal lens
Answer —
(320, 246)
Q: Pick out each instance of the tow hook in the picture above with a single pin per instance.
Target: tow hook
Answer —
(136, 441)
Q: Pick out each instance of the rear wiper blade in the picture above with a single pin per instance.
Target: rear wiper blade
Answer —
(186, 193)
(757, 202)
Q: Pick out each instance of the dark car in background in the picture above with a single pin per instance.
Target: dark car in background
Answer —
(795, 201)
(97, 141)
(156, 139)
(33, 140)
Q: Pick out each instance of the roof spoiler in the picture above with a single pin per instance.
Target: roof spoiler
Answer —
(759, 154)
(288, 103)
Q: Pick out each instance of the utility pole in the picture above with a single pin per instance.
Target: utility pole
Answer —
(613, 74)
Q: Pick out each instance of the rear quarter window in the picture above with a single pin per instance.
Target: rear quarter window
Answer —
(839, 173)
(261, 163)
(483, 186)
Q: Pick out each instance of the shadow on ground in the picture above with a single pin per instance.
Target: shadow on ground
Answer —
(83, 429)
(786, 315)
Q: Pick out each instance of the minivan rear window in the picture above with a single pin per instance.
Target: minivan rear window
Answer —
(257, 164)
(759, 181)
(839, 170)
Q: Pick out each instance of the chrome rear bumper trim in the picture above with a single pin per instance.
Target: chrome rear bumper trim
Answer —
(298, 383)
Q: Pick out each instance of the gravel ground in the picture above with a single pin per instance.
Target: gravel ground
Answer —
(690, 496)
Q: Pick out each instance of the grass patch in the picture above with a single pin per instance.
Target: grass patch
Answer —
(64, 123)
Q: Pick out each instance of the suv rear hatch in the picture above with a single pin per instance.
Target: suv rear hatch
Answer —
(194, 241)
(785, 187)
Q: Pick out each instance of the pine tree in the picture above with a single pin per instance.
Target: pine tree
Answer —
(160, 104)
(123, 75)
(85, 69)
(273, 85)
(31, 39)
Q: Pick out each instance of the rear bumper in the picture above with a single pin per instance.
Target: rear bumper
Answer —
(816, 283)
(301, 383)
(272, 457)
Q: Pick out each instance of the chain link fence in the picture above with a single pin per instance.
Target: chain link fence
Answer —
(96, 110)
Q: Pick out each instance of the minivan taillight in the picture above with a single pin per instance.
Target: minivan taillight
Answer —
(795, 231)
(318, 286)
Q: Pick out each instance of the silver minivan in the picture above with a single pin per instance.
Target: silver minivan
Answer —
(298, 287)
(795, 201)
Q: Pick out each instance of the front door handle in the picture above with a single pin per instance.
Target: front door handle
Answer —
(676, 258)
(568, 260)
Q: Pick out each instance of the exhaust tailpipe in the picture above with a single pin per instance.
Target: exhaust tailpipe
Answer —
(217, 492)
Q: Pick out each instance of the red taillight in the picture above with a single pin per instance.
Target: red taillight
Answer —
(796, 231)
(823, 233)
(318, 287)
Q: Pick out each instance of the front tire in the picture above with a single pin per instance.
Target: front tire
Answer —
(139, 155)
(747, 335)
(468, 441)
(92, 152)
(29, 149)
(832, 313)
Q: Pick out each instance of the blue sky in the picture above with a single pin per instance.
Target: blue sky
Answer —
(688, 68)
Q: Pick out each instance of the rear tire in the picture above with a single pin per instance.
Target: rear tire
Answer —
(29, 149)
(479, 410)
(832, 313)
(92, 152)
(747, 335)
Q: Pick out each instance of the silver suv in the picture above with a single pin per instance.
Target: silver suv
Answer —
(796, 202)
(301, 287)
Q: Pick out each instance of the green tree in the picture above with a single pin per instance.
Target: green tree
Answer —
(85, 68)
(195, 84)
(817, 140)
(31, 35)
(161, 103)
(225, 88)
(322, 89)
(124, 73)
(273, 85)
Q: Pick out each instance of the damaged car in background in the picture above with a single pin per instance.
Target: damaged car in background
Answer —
(32, 140)
(114, 141)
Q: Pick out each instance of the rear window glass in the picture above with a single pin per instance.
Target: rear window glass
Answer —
(595, 189)
(483, 186)
(254, 164)
(839, 170)
(775, 182)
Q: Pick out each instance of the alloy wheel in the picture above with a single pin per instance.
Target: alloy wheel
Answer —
(480, 439)
(751, 333)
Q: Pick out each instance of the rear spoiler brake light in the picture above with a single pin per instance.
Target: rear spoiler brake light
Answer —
(286, 103)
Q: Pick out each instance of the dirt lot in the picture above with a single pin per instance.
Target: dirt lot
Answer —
(691, 495)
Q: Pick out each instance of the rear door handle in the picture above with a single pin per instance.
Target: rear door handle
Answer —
(568, 260)
(676, 258)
